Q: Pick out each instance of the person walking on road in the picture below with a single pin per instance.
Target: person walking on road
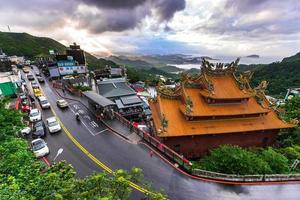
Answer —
(64, 92)
(151, 153)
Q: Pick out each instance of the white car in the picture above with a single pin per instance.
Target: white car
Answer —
(39, 147)
(35, 115)
(62, 103)
(53, 125)
(44, 102)
(25, 131)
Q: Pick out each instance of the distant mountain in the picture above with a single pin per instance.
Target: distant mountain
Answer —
(253, 56)
(131, 62)
(171, 69)
(280, 75)
(24, 44)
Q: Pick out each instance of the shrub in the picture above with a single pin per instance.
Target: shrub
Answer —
(234, 160)
(278, 163)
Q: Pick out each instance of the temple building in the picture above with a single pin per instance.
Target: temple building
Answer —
(212, 108)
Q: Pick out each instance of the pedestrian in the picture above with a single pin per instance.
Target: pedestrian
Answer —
(63, 90)
(151, 153)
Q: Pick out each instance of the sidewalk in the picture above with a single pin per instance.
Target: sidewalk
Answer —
(123, 130)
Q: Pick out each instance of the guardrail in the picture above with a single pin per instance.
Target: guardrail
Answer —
(246, 178)
(186, 164)
(179, 159)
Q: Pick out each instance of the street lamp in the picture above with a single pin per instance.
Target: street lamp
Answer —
(58, 153)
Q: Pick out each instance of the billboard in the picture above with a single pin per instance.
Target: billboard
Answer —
(68, 70)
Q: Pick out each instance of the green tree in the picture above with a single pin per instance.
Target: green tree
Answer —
(23, 177)
(278, 163)
(292, 111)
(234, 160)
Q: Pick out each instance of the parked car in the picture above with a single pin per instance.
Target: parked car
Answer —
(44, 102)
(53, 125)
(35, 115)
(25, 131)
(23, 99)
(30, 77)
(39, 147)
(26, 70)
(37, 73)
(37, 92)
(62, 103)
(41, 79)
(34, 84)
(39, 130)
(25, 108)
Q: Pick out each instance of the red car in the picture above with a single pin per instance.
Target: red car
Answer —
(25, 108)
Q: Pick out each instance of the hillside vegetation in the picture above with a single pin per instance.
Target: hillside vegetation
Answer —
(24, 44)
(280, 75)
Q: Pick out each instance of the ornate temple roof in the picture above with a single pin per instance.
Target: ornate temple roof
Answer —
(218, 82)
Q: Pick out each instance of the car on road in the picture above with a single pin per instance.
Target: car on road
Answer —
(30, 77)
(53, 125)
(37, 92)
(25, 131)
(35, 115)
(44, 102)
(39, 147)
(39, 130)
(37, 73)
(62, 103)
(34, 84)
(41, 79)
(26, 69)
(23, 98)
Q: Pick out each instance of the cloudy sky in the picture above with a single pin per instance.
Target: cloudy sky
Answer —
(270, 28)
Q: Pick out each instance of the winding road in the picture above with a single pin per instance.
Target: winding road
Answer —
(115, 152)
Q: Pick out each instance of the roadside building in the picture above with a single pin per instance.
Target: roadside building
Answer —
(213, 108)
(5, 65)
(292, 92)
(9, 84)
(128, 103)
(2, 54)
(109, 72)
(72, 62)
(17, 59)
(100, 106)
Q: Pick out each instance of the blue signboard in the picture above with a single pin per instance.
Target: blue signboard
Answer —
(65, 63)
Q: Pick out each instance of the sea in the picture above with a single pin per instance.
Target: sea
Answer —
(243, 60)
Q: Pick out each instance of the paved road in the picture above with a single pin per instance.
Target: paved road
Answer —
(117, 153)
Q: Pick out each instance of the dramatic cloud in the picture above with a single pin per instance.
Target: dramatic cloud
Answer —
(122, 15)
(218, 27)
(114, 4)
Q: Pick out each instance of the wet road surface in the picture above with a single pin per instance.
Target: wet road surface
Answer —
(117, 153)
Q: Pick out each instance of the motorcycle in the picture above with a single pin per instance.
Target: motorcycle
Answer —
(77, 116)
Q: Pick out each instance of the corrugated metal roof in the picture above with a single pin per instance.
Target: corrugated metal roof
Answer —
(130, 100)
(101, 100)
(111, 89)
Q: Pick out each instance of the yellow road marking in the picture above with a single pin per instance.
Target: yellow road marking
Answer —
(93, 158)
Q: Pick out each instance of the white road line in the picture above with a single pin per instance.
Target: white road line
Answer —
(101, 131)
(83, 123)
